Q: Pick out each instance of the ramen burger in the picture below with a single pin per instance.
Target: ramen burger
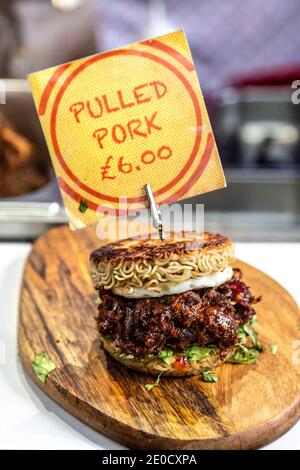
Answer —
(176, 307)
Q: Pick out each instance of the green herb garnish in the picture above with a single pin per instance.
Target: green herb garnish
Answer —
(83, 206)
(98, 300)
(166, 355)
(149, 387)
(42, 365)
(197, 353)
(274, 349)
(208, 376)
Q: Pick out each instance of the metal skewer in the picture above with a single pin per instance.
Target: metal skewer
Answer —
(155, 212)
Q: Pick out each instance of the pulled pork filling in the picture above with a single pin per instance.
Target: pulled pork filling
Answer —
(205, 316)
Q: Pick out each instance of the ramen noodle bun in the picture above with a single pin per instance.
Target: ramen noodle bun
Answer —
(176, 307)
(140, 268)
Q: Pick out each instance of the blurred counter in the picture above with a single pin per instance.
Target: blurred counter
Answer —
(259, 203)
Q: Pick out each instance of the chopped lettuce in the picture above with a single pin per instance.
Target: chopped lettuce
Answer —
(197, 353)
(241, 334)
(259, 347)
(42, 365)
(244, 355)
(246, 331)
(166, 355)
(251, 333)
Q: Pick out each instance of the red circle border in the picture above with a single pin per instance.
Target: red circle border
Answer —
(67, 82)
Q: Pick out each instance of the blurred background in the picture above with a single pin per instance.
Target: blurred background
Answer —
(247, 56)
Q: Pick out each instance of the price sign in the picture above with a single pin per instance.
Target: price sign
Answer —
(118, 120)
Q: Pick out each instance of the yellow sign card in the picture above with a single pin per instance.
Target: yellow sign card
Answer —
(118, 120)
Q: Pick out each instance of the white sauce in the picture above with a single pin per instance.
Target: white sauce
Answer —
(210, 280)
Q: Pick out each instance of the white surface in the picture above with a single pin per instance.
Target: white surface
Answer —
(29, 420)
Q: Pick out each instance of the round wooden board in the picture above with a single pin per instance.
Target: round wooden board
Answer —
(248, 407)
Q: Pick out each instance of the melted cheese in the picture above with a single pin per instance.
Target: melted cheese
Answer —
(210, 280)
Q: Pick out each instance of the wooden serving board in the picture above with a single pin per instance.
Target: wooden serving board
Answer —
(249, 406)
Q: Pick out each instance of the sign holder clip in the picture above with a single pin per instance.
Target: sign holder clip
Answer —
(155, 212)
